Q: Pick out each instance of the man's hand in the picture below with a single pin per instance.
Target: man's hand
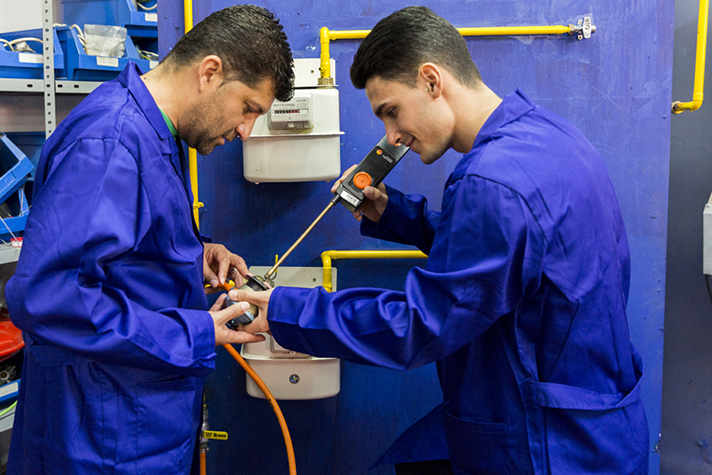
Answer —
(375, 202)
(219, 264)
(261, 301)
(223, 334)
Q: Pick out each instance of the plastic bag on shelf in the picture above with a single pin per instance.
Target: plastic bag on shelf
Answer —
(105, 40)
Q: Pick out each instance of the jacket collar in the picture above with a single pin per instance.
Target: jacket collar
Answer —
(513, 106)
(130, 77)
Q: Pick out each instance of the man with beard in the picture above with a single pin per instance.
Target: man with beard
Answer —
(109, 288)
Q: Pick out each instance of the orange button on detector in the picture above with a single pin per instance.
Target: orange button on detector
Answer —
(362, 180)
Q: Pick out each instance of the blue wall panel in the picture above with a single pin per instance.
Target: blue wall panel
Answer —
(616, 87)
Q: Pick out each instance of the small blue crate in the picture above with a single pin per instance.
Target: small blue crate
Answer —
(9, 391)
(139, 22)
(18, 208)
(30, 143)
(79, 66)
(15, 168)
(26, 65)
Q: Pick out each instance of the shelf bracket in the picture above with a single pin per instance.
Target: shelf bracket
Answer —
(50, 112)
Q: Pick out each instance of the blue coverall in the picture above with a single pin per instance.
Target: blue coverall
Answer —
(109, 295)
(521, 304)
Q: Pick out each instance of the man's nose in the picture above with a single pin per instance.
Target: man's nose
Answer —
(245, 128)
(393, 135)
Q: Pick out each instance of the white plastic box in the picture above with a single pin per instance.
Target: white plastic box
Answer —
(309, 148)
(288, 374)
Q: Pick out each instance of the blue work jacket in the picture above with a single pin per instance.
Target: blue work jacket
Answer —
(108, 293)
(521, 304)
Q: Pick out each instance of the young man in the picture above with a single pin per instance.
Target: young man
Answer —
(522, 302)
(109, 287)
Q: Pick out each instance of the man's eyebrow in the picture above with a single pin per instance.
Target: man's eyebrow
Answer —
(255, 106)
(379, 110)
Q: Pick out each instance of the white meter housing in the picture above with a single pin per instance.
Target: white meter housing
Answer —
(297, 140)
(707, 238)
(289, 374)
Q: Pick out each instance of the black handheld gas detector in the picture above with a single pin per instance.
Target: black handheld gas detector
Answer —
(370, 172)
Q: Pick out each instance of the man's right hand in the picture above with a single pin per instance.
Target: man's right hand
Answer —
(375, 202)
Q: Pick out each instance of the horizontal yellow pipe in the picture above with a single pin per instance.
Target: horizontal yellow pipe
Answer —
(478, 31)
(347, 35)
(701, 53)
(326, 36)
(515, 30)
(328, 256)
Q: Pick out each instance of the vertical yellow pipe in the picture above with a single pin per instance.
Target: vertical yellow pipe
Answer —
(192, 154)
(188, 15)
(325, 67)
(700, 56)
(702, 21)
(326, 271)
(701, 50)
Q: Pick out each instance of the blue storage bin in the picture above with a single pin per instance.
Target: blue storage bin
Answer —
(19, 209)
(29, 143)
(15, 168)
(18, 65)
(79, 66)
(138, 22)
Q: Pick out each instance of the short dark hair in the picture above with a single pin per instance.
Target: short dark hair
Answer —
(400, 43)
(250, 42)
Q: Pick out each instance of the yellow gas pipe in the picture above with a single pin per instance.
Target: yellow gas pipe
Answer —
(326, 36)
(699, 86)
(192, 153)
(193, 165)
(328, 256)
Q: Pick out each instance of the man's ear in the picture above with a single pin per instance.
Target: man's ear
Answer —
(430, 75)
(210, 73)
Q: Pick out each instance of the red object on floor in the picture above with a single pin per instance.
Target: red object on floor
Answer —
(10, 337)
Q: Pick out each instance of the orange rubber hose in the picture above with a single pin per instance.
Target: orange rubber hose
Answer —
(282, 423)
(203, 464)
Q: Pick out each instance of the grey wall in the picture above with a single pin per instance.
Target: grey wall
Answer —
(17, 15)
(687, 384)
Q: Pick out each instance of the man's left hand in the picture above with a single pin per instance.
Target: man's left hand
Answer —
(219, 264)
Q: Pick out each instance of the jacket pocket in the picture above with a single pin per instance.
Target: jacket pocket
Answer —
(168, 414)
(477, 447)
(611, 442)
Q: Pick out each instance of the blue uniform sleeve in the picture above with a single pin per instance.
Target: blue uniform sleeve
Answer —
(406, 220)
(488, 248)
(91, 213)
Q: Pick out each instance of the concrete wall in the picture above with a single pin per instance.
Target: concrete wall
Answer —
(687, 385)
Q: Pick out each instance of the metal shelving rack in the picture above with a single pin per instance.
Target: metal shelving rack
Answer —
(48, 86)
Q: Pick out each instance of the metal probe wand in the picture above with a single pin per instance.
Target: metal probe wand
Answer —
(301, 238)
